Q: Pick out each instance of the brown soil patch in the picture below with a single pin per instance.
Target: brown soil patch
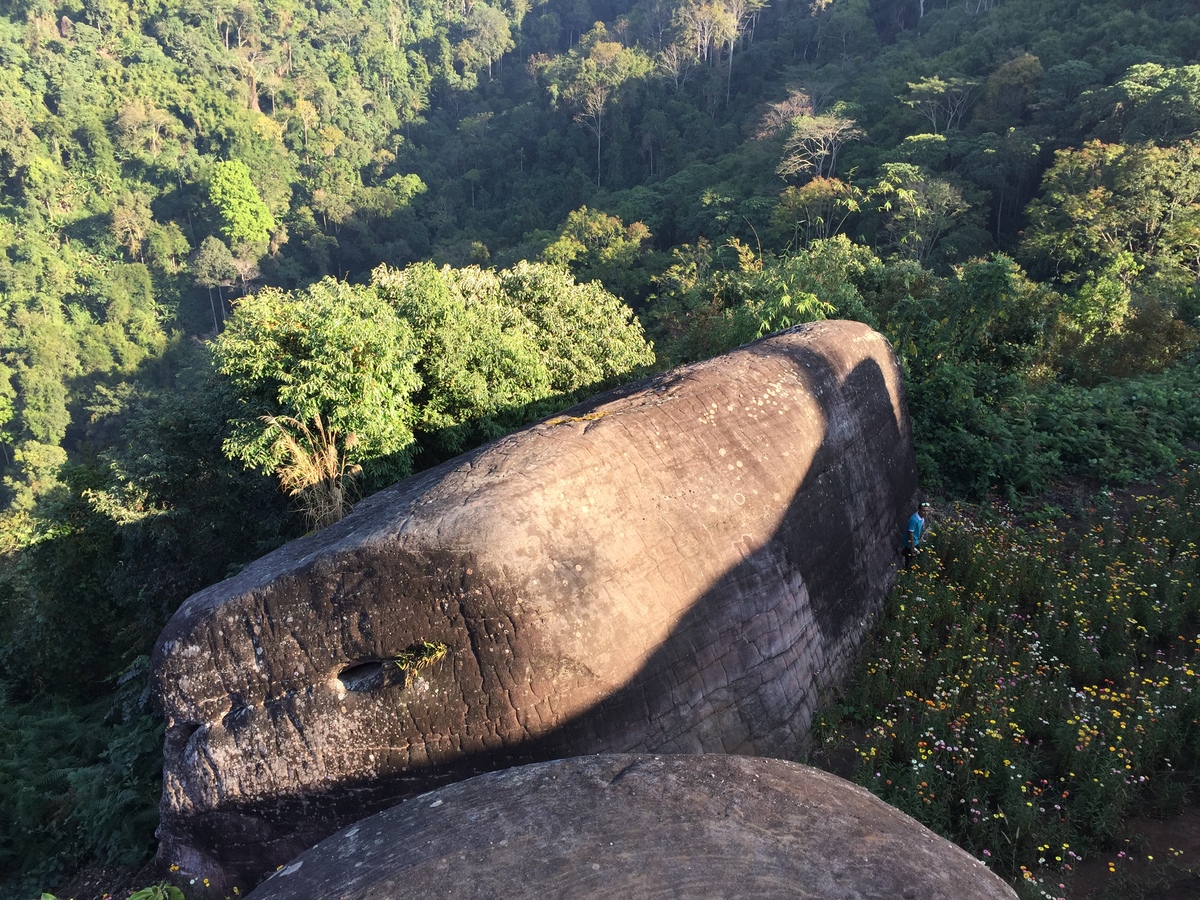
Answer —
(1160, 860)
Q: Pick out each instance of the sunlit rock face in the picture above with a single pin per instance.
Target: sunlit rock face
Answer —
(640, 826)
(677, 566)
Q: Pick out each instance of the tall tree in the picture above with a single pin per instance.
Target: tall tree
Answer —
(488, 37)
(591, 76)
(1102, 200)
(214, 267)
(130, 222)
(599, 247)
(917, 209)
(942, 101)
(740, 14)
(813, 143)
(245, 218)
(816, 210)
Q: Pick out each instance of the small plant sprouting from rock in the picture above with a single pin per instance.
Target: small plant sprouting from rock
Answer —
(162, 891)
(420, 656)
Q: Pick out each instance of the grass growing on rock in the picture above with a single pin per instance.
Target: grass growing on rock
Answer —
(1029, 687)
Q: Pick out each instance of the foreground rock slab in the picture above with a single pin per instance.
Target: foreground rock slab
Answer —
(639, 826)
(678, 566)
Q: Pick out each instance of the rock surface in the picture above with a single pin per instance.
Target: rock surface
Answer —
(640, 826)
(677, 566)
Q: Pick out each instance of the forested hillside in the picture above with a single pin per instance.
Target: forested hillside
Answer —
(258, 258)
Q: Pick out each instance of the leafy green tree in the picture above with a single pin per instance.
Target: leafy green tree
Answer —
(972, 349)
(1102, 200)
(710, 302)
(1154, 103)
(1117, 225)
(588, 337)
(34, 476)
(706, 26)
(333, 352)
(166, 247)
(816, 210)
(917, 209)
(497, 349)
(944, 102)
(1009, 91)
(1006, 166)
(600, 247)
(132, 319)
(590, 77)
(213, 267)
(835, 271)
(245, 218)
(488, 38)
(844, 31)
(8, 396)
(48, 361)
(131, 220)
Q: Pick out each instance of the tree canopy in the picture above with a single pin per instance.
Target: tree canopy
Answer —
(422, 360)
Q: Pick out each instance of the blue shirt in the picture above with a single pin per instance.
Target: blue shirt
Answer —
(916, 525)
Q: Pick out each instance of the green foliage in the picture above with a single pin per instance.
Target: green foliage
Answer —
(162, 891)
(245, 218)
(421, 656)
(460, 355)
(334, 351)
(1105, 200)
(708, 306)
(599, 247)
(983, 357)
(78, 783)
(498, 349)
(816, 210)
(1155, 103)
(49, 361)
(944, 102)
(1118, 223)
(488, 37)
(592, 78)
(917, 210)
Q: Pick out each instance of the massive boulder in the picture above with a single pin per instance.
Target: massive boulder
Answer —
(678, 566)
(640, 826)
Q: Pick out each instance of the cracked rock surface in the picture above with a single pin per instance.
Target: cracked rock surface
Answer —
(677, 566)
(640, 826)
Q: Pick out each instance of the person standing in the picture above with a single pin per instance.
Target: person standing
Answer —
(916, 529)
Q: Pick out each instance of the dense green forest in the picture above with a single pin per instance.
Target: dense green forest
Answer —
(259, 258)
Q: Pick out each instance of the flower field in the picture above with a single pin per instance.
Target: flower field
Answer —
(1028, 688)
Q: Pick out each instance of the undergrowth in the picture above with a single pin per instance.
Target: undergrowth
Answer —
(1029, 688)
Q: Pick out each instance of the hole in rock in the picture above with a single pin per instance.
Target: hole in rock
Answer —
(370, 675)
(183, 731)
(238, 716)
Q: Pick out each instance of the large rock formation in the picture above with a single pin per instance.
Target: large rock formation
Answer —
(677, 566)
(640, 826)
